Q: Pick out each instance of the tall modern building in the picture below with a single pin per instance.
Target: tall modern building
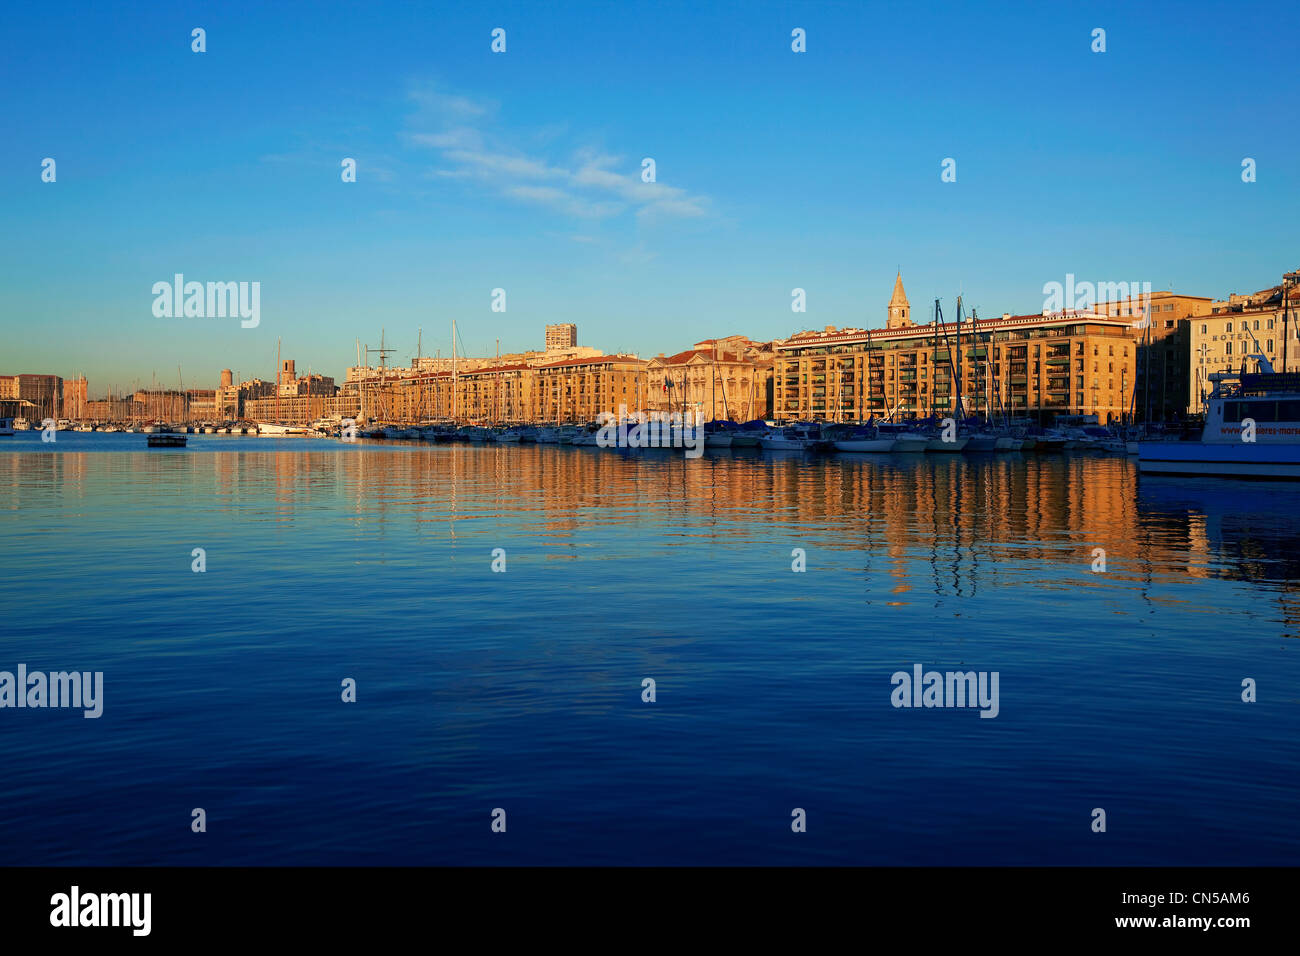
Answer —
(561, 336)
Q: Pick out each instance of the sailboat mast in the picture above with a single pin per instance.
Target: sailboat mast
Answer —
(361, 380)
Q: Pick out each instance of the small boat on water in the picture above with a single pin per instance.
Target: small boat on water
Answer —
(6, 426)
(166, 440)
(275, 430)
(585, 437)
(936, 444)
(748, 434)
(864, 439)
(907, 440)
(802, 436)
(981, 442)
(718, 435)
(1049, 441)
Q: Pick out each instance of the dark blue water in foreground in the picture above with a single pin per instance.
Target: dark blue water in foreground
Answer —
(522, 690)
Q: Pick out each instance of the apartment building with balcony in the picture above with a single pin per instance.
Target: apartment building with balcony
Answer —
(1025, 366)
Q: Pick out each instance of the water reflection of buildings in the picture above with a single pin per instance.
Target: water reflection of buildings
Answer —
(934, 525)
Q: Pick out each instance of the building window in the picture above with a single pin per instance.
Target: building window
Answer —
(1270, 323)
(1228, 349)
(1204, 329)
(1228, 327)
(1270, 346)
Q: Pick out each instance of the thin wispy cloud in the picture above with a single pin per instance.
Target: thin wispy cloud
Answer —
(585, 184)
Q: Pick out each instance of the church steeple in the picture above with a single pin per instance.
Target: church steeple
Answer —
(899, 310)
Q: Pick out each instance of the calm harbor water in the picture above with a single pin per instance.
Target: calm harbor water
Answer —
(522, 690)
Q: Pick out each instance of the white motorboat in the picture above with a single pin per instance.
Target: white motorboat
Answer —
(6, 426)
(905, 439)
(865, 439)
(801, 437)
(1252, 429)
(979, 442)
(276, 430)
(939, 446)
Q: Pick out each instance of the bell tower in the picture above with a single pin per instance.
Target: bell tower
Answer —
(900, 313)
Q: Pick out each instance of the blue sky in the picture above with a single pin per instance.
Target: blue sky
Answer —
(521, 170)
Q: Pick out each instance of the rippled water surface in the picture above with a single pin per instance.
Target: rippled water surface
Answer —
(522, 690)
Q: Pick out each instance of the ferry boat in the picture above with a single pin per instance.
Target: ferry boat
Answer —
(166, 440)
(1252, 429)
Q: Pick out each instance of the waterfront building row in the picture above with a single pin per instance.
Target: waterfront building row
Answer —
(1142, 358)
(1024, 366)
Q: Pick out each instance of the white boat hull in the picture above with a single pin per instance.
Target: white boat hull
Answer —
(938, 445)
(1244, 459)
